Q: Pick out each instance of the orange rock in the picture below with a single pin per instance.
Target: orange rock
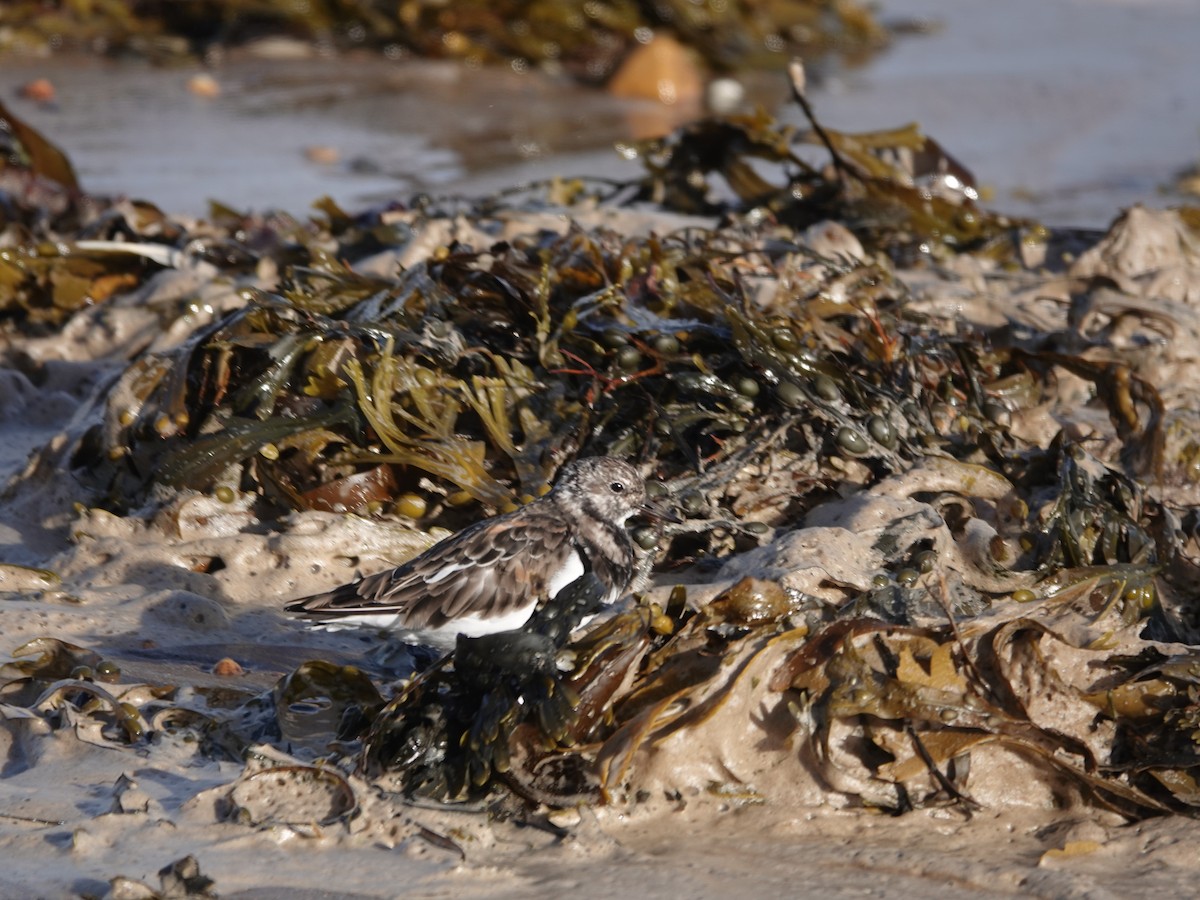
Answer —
(204, 85)
(228, 667)
(322, 154)
(40, 90)
(662, 69)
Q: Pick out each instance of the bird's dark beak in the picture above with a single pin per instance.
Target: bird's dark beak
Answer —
(658, 513)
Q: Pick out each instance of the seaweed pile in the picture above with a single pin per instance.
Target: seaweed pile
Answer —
(943, 534)
(587, 40)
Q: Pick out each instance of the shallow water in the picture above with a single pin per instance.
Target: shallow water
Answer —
(394, 128)
(1068, 110)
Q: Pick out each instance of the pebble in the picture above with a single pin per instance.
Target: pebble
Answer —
(662, 70)
(40, 90)
(204, 85)
(229, 668)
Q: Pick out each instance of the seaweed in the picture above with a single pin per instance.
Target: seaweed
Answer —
(896, 189)
(586, 39)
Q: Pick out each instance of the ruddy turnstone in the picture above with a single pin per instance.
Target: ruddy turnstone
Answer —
(491, 576)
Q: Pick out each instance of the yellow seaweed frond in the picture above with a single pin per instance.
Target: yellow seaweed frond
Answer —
(429, 443)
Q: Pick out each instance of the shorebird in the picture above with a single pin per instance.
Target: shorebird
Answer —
(491, 576)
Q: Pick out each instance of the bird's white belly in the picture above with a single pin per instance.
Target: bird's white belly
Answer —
(476, 625)
(571, 570)
(444, 637)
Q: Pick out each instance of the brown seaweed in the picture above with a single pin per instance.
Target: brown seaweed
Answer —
(588, 39)
(896, 189)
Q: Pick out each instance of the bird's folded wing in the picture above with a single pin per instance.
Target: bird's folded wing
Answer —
(490, 569)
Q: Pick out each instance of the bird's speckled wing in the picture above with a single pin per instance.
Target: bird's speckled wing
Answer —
(488, 570)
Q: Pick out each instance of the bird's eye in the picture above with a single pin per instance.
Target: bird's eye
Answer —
(616, 487)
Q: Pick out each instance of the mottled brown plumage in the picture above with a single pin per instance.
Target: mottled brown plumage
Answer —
(491, 576)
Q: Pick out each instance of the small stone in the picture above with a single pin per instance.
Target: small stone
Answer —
(229, 668)
(725, 95)
(40, 90)
(204, 85)
(565, 818)
(322, 154)
(663, 70)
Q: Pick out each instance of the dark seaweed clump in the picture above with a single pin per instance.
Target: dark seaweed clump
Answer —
(757, 368)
